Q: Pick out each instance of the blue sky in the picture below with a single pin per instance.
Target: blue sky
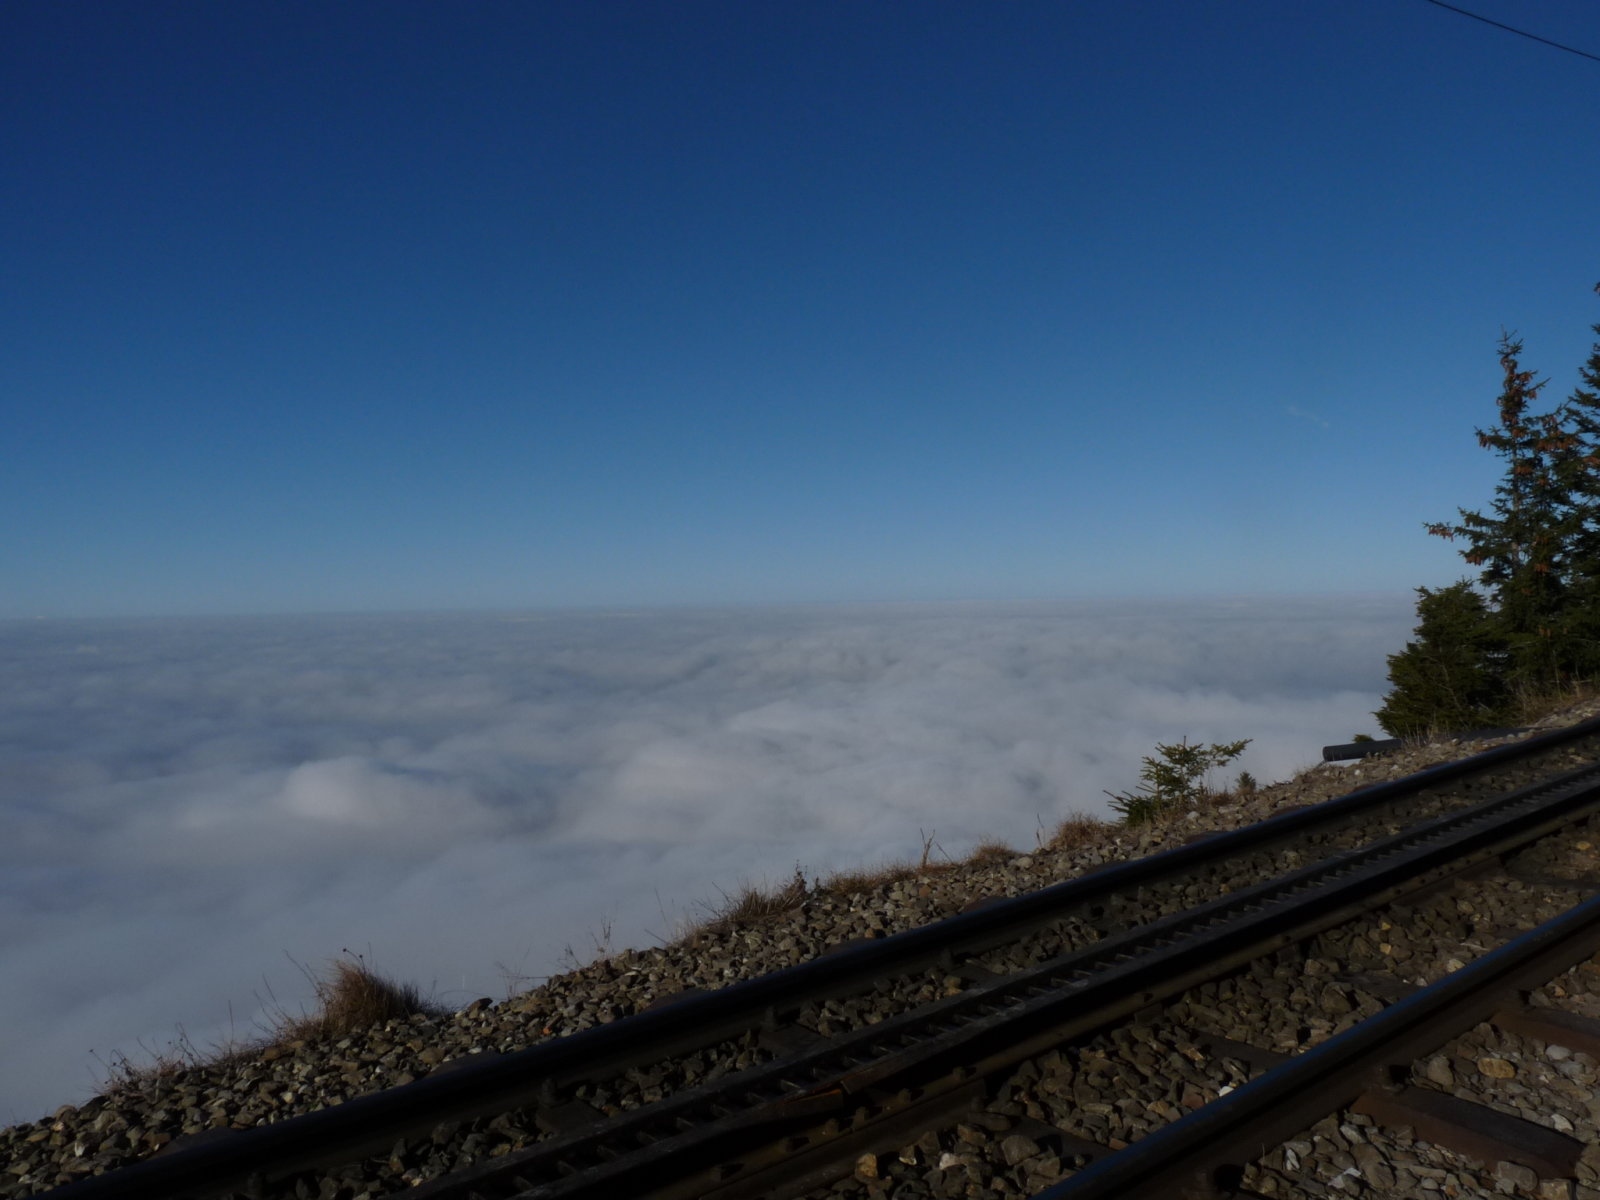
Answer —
(393, 306)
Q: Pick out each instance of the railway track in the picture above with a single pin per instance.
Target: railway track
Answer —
(805, 1073)
(1368, 1068)
(1081, 1104)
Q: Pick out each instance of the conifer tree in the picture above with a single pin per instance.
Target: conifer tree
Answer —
(1536, 624)
(1174, 781)
(1452, 676)
(1522, 543)
(1581, 616)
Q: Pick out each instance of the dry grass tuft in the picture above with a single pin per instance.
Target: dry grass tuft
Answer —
(753, 902)
(1079, 829)
(991, 850)
(866, 879)
(350, 998)
(124, 1074)
(1536, 707)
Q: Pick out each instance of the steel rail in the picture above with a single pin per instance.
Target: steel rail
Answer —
(769, 1128)
(1200, 1155)
(372, 1123)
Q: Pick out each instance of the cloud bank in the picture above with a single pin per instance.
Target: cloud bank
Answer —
(186, 803)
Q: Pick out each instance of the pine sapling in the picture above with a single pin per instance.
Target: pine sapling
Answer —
(1173, 779)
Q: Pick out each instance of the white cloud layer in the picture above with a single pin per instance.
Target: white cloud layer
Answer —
(186, 803)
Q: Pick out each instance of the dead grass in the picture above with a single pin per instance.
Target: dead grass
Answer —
(352, 997)
(1526, 708)
(867, 879)
(926, 865)
(991, 850)
(1078, 829)
(1536, 707)
(125, 1074)
(753, 902)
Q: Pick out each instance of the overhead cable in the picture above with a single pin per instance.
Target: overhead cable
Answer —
(1518, 32)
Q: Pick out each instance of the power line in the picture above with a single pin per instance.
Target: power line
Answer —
(1518, 32)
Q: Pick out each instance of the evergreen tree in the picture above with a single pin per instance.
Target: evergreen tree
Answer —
(1523, 542)
(1580, 626)
(1536, 625)
(1452, 677)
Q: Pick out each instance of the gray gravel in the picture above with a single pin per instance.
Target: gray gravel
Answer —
(1346, 1155)
(1115, 1088)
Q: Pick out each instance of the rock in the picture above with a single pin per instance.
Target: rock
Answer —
(1018, 1148)
(1370, 1162)
(1517, 1175)
(1335, 1001)
(1496, 1068)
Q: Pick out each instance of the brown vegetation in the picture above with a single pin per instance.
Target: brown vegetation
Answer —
(352, 997)
(867, 879)
(1078, 829)
(180, 1054)
(753, 902)
(991, 850)
(1532, 708)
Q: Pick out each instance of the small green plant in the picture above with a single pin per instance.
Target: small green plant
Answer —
(1173, 779)
(1246, 784)
(1357, 739)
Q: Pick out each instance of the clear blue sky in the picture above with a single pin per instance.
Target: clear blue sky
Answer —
(403, 305)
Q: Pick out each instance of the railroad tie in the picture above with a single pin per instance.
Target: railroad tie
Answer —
(1473, 1129)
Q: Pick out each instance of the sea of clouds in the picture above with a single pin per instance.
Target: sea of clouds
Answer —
(192, 807)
